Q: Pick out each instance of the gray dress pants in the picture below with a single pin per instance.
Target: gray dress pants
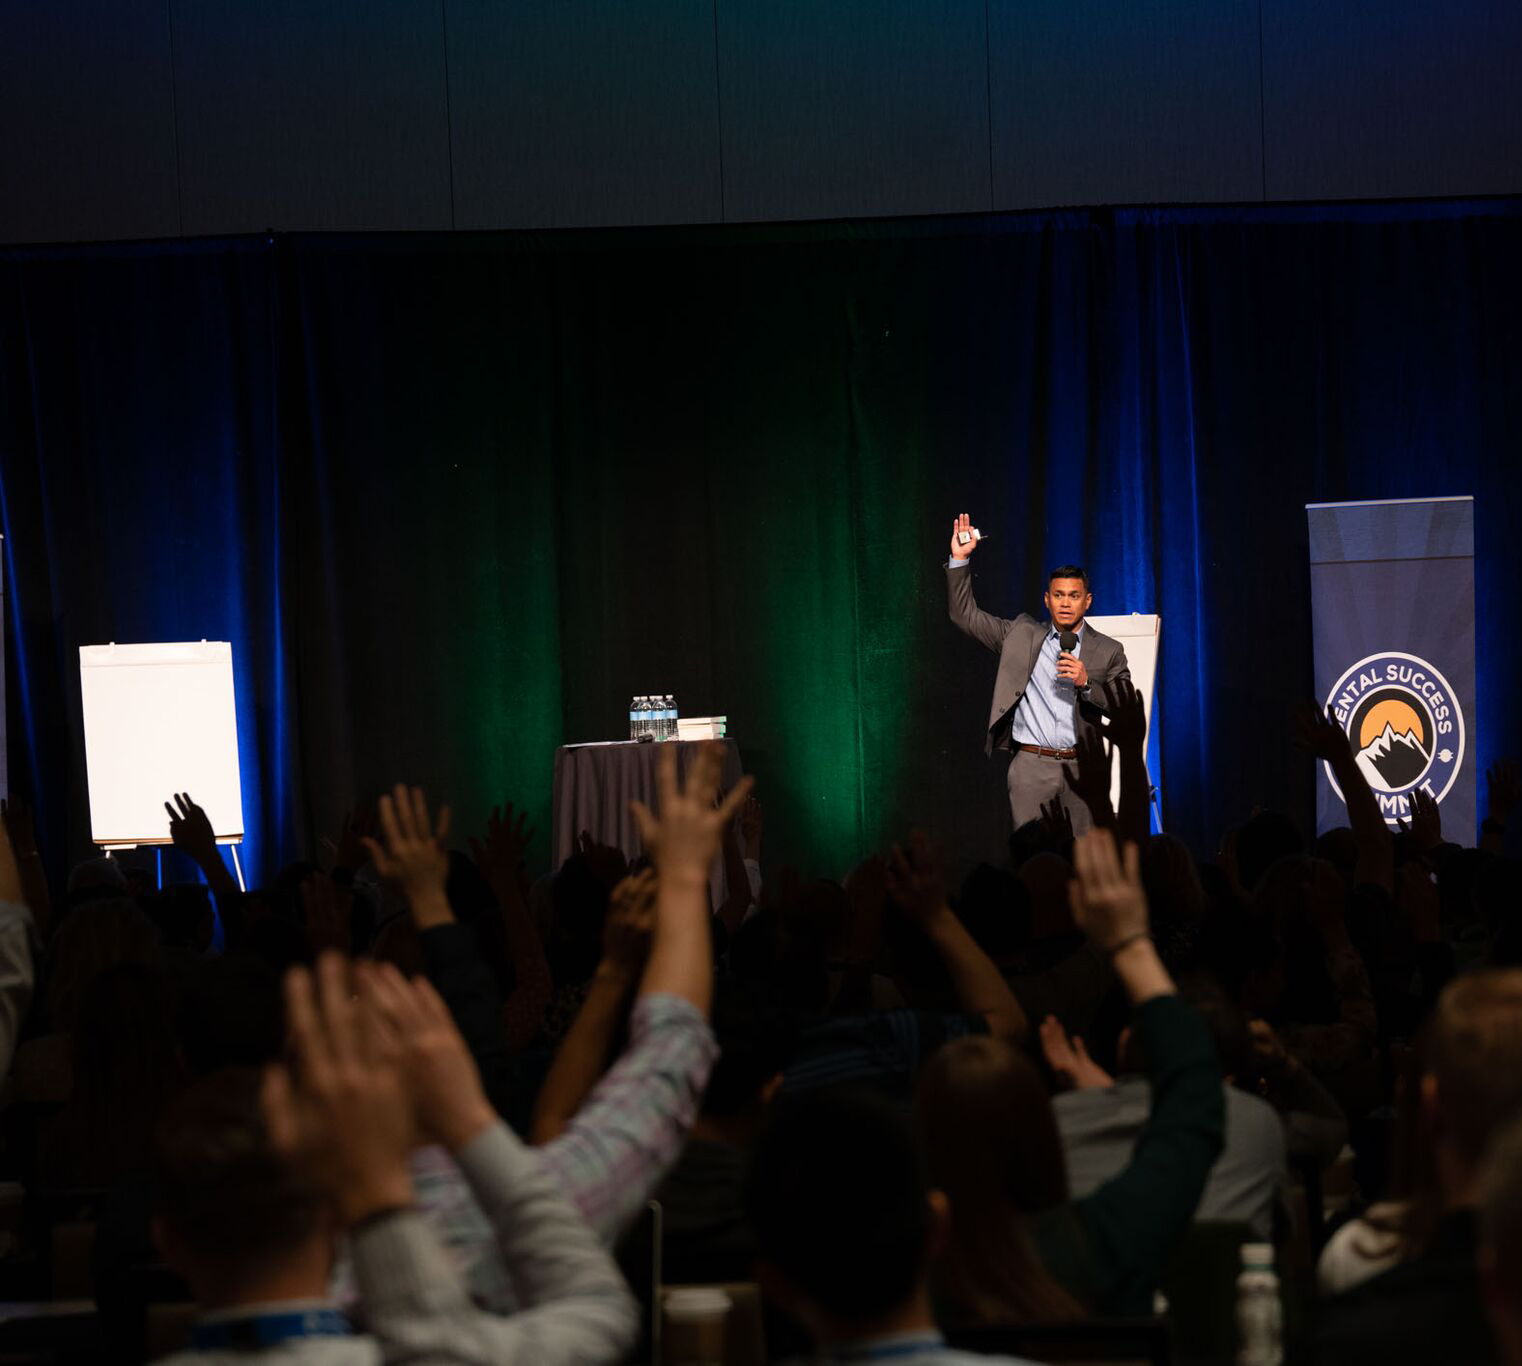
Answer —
(1034, 780)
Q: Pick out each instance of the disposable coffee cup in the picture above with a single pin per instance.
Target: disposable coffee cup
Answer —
(695, 1320)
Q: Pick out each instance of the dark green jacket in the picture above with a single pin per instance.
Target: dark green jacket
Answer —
(1109, 1248)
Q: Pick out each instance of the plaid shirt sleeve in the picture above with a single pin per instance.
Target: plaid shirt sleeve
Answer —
(633, 1126)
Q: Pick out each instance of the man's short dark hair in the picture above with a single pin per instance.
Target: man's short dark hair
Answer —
(755, 1042)
(838, 1201)
(1069, 571)
(234, 1203)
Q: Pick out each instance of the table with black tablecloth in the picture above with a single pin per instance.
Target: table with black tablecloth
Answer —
(594, 785)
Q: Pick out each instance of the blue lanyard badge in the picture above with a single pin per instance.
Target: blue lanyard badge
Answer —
(258, 1331)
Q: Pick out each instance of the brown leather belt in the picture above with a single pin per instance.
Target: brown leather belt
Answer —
(1046, 753)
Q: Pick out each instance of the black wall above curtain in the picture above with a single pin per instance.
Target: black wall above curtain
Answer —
(454, 498)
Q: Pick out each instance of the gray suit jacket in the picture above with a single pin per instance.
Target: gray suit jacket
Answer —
(1017, 642)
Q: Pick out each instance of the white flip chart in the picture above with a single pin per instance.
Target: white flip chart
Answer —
(159, 719)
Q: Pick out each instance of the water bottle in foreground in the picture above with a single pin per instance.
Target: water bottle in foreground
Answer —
(1260, 1316)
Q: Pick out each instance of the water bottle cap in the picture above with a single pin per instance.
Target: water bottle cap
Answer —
(1259, 1255)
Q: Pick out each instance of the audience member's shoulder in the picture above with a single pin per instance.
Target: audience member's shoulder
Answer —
(1359, 1250)
(1248, 1115)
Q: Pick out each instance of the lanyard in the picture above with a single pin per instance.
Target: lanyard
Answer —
(267, 1330)
(887, 1351)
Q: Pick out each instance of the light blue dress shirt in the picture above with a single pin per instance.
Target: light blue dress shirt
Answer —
(1045, 714)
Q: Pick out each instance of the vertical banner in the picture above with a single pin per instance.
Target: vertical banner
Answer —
(1392, 611)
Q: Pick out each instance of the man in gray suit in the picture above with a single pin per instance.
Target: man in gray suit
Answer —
(1049, 690)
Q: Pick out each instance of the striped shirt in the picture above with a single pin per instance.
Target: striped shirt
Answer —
(884, 1050)
(619, 1146)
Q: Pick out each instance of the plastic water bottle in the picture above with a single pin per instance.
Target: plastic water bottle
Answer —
(634, 718)
(1260, 1316)
(670, 714)
(641, 717)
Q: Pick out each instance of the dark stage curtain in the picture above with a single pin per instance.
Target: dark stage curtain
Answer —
(454, 498)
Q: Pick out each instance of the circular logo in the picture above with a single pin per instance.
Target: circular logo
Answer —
(1405, 726)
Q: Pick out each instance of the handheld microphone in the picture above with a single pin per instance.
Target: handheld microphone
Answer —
(1068, 640)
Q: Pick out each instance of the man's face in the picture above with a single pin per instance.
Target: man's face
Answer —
(1067, 600)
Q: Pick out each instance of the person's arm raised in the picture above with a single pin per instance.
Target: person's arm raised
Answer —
(1089, 779)
(411, 854)
(917, 884)
(191, 832)
(1127, 730)
(682, 840)
(583, 1053)
(576, 1307)
(966, 615)
(500, 858)
(620, 1142)
(1319, 733)
(1110, 907)
(1135, 1219)
(1503, 792)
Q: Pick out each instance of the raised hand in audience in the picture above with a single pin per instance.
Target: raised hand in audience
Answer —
(191, 833)
(1069, 1059)
(1127, 729)
(1319, 733)
(916, 877)
(500, 856)
(1089, 779)
(1109, 903)
(749, 823)
(683, 837)
(190, 828)
(631, 919)
(1125, 714)
(679, 963)
(449, 1104)
(916, 874)
(329, 913)
(1057, 820)
(411, 853)
(1426, 824)
(583, 1053)
(1503, 792)
(1110, 907)
(340, 1109)
(348, 850)
(607, 863)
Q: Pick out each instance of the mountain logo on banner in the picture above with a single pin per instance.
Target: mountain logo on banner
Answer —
(1405, 727)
